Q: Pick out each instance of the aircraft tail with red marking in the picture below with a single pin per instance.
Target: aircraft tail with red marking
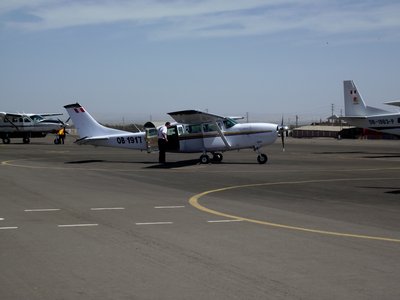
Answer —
(85, 124)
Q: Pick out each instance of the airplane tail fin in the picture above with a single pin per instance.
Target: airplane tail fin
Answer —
(354, 105)
(85, 124)
(353, 102)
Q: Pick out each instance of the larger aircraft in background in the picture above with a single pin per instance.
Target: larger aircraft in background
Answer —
(27, 126)
(358, 114)
(194, 132)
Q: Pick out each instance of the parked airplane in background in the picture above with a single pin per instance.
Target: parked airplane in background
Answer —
(357, 113)
(194, 131)
(26, 126)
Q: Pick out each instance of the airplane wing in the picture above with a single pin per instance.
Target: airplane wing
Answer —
(6, 114)
(349, 118)
(47, 114)
(194, 117)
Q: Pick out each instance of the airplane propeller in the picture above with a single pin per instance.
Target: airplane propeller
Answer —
(282, 129)
(64, 123)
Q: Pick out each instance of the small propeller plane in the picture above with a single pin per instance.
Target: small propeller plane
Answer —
(193, 132)
(26, 126)
(359, 114)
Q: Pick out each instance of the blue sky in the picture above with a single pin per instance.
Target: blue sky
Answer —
(136, 59)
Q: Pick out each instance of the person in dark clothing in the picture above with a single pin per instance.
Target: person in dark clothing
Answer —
(162, 142)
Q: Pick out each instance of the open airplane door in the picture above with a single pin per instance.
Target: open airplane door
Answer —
(173, 134)
(151, 137)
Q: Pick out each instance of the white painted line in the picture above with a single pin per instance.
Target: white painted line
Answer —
(224, 221)
(41, 210)
(5, 228)
(176, 206)
(77, 225)
(155, 223)
(107, 208)
(1, 219)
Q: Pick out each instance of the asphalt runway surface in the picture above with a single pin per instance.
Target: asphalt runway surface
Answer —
(318, 221)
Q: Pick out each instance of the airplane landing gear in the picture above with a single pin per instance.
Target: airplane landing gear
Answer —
(262, 158)
(6, 140)
(204, 159)
(217, 157)
(26, 140)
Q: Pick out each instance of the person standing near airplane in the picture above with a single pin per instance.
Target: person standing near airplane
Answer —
(61, 135)
(162, 142)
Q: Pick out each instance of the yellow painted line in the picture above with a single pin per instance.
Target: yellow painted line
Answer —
(194, 201)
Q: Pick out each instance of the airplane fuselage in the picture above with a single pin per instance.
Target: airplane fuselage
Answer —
(386, 123)
(195, 138)
(239, 136)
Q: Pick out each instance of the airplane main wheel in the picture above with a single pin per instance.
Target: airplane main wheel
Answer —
(26, 140)
(204, 159)
(217, 157)
(6, 141)
(262, 159)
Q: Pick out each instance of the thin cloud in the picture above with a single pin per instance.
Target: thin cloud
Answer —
(208, 18)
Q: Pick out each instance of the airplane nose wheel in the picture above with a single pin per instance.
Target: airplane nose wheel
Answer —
(262, 158)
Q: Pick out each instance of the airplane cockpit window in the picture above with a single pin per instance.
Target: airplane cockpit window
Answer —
(209, 127)
(194, 128)
(229, 123)
(27, 120)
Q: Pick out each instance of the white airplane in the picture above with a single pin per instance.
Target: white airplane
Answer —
(357, 113)
(26, 126)
(193, 132)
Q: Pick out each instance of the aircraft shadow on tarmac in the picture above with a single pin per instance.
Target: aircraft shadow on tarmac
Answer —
(168, 165)
(153, 165)
(370, 155)
(389, 189)
(175, 164)
(88, 161)
(383, 155)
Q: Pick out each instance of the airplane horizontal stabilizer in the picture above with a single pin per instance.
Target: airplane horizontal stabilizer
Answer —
(88, 140)
(394, 103)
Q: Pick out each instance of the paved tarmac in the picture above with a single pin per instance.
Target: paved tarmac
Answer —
(318, 221)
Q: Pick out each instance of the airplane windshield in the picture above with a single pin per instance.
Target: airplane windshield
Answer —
(36, 118)
(229, 123)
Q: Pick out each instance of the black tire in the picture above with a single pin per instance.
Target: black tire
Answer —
(26, 140)
(6, 140)
(217, 157)
(204, 159)
(262, 159)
